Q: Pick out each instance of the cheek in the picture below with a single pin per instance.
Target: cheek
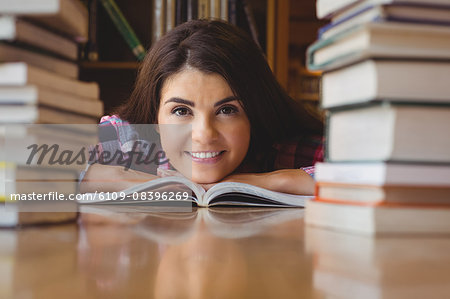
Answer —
(239, 137)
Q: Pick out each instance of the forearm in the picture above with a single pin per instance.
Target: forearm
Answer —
(107, 178)
(293, 181)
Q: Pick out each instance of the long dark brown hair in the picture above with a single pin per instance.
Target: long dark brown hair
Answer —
(218, 47)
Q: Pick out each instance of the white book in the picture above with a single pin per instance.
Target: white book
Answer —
(380, 40)
(326, 9)
(32, 94)
(18, 94)
(29, 114)
(19, 74)
(370, 220)
(379, 174)
(11, 53)
(389, 132)
(393, 13)
(395, 80)
(18, 114)
(13, 29)
(228, 193)
(67, 16)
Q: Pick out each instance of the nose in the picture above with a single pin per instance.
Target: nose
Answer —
(204, 130)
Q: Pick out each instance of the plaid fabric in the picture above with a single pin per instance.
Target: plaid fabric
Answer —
(301, 152)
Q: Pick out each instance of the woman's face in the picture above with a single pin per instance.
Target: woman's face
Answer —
(218, 130)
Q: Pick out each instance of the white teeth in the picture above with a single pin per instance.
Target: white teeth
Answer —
(203, 155)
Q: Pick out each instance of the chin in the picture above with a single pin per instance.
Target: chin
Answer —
(205, 178)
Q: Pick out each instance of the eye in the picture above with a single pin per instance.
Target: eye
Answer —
(228, 110)
(181, 111)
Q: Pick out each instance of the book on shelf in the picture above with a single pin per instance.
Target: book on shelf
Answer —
(20, 73)
(124, 28)
(228, 193)
(91, 47)
(385, 13)
(224, 10)
(50, 97)
(181, 14)
(233, 11)
(382, 219)
(380, 40)
(406, 81)
(171, 17)
(159, 19)
(215, 6)
(192, 10)
(204, 9)
(326, 9)
(14, 53)
(67, 16)
(21, 31)
(389, 132)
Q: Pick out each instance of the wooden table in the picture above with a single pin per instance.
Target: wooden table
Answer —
(216, 253)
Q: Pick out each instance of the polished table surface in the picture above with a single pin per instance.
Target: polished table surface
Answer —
(216, 253)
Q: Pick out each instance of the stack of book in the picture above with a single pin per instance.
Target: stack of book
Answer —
(39, 71)
(39, 84)
(385, 89)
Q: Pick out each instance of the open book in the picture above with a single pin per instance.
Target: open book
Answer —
(172, 189)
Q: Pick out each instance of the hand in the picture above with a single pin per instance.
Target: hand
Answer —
(293, 181)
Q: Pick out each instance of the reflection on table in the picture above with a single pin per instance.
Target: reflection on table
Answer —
(136, 252)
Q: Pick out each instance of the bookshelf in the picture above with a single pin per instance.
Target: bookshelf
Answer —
(277, 23)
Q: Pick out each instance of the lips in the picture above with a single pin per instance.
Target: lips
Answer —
(205, 156)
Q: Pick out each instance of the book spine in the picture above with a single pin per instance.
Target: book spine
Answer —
(224, 10)
(251, 21)
(159, 19)
(232, 12)
(92, 46)
(215, 9)
(170, 14)
(192, 9)
(204, 9)
(181, 12)
(124, 28)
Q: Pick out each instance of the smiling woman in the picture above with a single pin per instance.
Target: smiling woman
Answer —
(220, 127)
(212, 78)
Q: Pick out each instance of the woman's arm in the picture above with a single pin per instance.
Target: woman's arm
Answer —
(108, 178)
(293, 181)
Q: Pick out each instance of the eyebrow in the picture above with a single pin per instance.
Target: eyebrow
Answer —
(192, 104)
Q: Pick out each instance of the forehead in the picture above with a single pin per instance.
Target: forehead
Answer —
(195, 84)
